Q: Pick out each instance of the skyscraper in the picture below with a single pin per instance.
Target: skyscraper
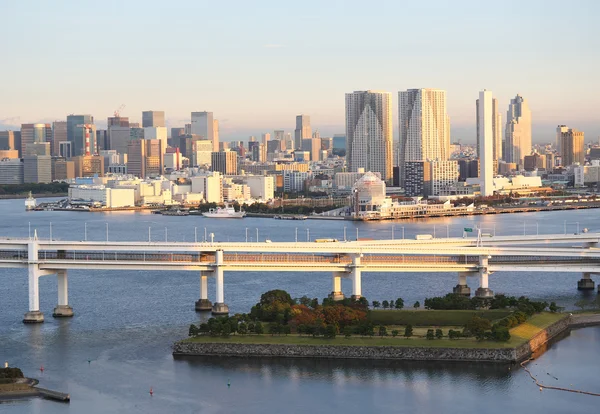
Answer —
(118, 134)
(153, 119)
(369, 132)
(34, 134)
(496, 130)
(203, 125)
(78, 135)
(424, 126)
(572, 147)
(559, 130)
(59, 134)
(302, 130)
(7, 140)
(518, 131)
(224, 162)
(486, 141)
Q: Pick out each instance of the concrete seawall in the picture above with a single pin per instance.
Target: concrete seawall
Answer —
(497, 355)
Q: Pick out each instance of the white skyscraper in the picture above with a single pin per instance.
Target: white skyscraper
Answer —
(203, 125)
(485, 141)
(369, 132)
(424, 126)
(496, 130)
(518, 131)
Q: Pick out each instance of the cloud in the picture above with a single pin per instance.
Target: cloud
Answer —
(273, 46)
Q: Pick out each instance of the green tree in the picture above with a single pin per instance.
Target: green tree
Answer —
(430, 334)
(193, 331)
(226, 330)
(347, 331)
(385, 304)
(395, 332)
(399, 304)
(500, 333)
(439, 334)
(417, 305)
(376, 304)
(477, 327)
(258, 328)
(363, 301)
(287, 329)
(330, 331)
(382, 331)
(553, 308)
(408, 331)
(243, 328)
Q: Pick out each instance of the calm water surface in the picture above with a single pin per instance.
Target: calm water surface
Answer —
(126, 322)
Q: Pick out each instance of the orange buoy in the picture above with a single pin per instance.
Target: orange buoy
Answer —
(42, 368)
(151, 392)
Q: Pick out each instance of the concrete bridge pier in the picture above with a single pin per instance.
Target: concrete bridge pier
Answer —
(219, 307)
(356, 278)
(336, 294)
(462, 288)
(203, 304)
(586, 283)
(34, 315)
(483, 291)
(63, 309)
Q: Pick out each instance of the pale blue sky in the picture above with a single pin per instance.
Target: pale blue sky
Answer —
(256, 64)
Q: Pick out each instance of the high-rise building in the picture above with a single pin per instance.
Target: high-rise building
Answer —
(7, 140)
(302, 131)
(102, 139)
(533, 162)
(153, 119)
(83, 138)
(224, 162)
(62, 169)
(496, 130)
(88, 165)
(486, 141)
(37, 169)
(279, 134)
(266, 137)
(201, 153)
(369, 132)
(571, 145)
(424, 126)
(216, 133)
(315, 149)
(517, 139)
(203, 125)
(11, 171)
(34, 133)
(559, 130)
(59, 134)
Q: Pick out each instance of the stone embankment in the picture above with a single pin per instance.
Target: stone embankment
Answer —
(498, 355)
(585, 319)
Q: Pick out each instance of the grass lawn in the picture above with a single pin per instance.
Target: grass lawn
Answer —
(432, 317)
(519, 335)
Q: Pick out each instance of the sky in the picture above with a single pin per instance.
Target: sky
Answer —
(257, 64)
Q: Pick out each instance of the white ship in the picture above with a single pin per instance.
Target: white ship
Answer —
(227, 212)
(30, 203)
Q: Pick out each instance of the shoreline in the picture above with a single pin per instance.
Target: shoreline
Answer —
(536, 344)
(24, 196)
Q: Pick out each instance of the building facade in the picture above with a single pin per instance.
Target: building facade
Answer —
(153, 119)
(82, 138)
(203, 125)
(571, 144)
(302, 131)
(486, 141)
(517, 140)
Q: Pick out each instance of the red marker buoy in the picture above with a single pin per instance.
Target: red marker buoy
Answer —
(151, 392)
(42, 368)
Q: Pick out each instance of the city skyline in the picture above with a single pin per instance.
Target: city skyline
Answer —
(257, 70)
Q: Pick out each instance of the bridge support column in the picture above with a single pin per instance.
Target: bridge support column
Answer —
(62, 309)
(356, 278)
(219, 308)
(203, 304)
(586, 283)
(483, 291)
(34, 315)
(462, 288)
(336, 294)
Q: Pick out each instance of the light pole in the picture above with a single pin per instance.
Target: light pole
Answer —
(434, 231)
(246, 234)
(296, 234)
(307, 234)
(149, 235)
(85, 231)
(344, 233)
(524, 228)
(537, 228)
(166, 235)
(107, 232)
(357, 234)
(50, 231)
(256, 234)
(447, 231)
(30, 229)
(565, 227)
(195, 235)
(402, 232)
(205, 238)
(393, 232)
(577, 227)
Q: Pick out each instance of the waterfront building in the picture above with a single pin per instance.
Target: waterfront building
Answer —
(203, 125)
(486, 140)
(11, 171)
(103, 196)
(153, 119)
(37, 169)
(225, 162)
(293, 181)
(424, 126)
(302, 131)
(571, 144)
(210, 185)
(369, 132)
(262, 187)
(518, 131)
(416, 178)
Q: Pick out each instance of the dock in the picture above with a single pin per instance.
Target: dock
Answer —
(53, 395)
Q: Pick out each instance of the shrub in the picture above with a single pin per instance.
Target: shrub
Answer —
(395, 333)
(399, 304)
(408, 331)
(439, 334)
(500, 333)
(347, 331)
(382, 331)
(430, 334)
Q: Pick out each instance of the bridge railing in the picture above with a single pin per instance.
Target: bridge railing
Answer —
(13, 255)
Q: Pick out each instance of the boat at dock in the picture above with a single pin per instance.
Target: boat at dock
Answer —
(30, 203)
(224, 212)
